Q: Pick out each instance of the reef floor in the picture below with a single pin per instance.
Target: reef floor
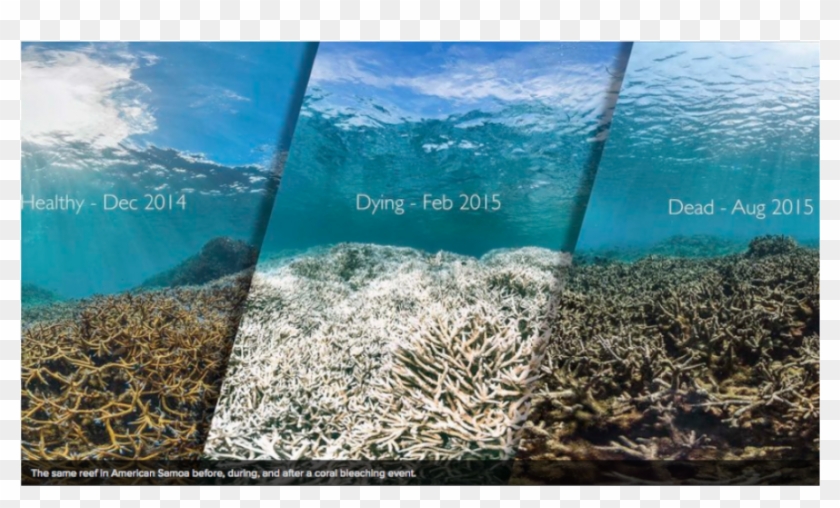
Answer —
(363, 351)
(669, 358)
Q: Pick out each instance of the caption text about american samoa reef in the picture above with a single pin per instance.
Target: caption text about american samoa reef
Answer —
(235, 473)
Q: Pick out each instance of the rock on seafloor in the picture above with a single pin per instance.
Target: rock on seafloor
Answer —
(218, 258)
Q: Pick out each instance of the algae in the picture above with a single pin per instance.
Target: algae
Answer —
(682, 359)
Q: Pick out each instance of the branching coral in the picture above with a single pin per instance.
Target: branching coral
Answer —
(127, 376)
(460, 384)
(669, 358)
(367, 351)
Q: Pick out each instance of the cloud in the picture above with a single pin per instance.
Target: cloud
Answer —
(545, 87)
(76, 96)
(147, 168)
(218, 97)
(533, 73)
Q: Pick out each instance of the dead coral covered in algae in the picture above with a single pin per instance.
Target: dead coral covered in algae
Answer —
(134, 375)
(673, 358)
(376, 352)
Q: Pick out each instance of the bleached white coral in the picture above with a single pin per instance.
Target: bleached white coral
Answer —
(367, 351)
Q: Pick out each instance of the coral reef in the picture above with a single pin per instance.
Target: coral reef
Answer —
(674, 358)
(40, 305)
(218, 258)
(128, 375)
(771, 244)
(32, 295)
(376, 352)
(688, 246)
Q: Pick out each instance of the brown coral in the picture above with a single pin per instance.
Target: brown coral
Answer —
(695, 359)
(129, 375)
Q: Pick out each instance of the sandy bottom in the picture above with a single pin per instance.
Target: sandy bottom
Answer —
(373, 352)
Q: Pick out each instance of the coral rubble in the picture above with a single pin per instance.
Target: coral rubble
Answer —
(134, 375)
(684, 359)
(376, 352)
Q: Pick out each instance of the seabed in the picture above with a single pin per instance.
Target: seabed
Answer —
(361, 351)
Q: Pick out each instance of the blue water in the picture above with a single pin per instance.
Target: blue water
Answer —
(512, 135)
(200, 121)
(509, 133)
(710, 121)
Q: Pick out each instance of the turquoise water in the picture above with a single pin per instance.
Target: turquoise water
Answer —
(465, 147)
(703, 123)
(510, 134)
(189, 130)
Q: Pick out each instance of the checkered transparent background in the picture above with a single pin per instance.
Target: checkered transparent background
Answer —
(671, 20)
